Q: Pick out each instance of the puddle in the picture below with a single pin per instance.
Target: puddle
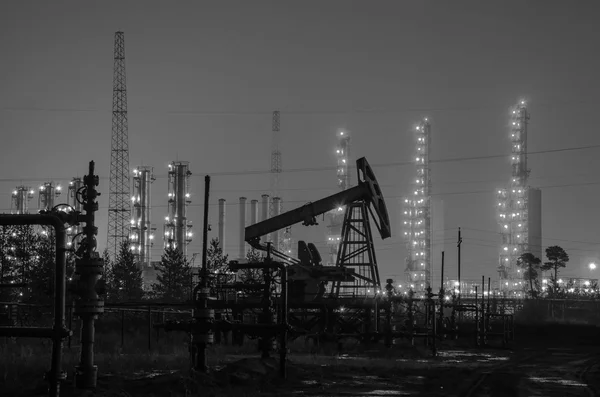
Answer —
(558, 381)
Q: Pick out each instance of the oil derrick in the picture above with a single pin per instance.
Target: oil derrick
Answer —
(282, 240)
(519, 209)
(336, 217)
(142, 231)
(417, 215)
(47, 193)
(177, 229)
(119, 210)
(20, 200)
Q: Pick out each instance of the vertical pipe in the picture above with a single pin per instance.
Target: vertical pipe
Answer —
(458, 245)
(242, 251)
(276, 234)
(59, 309)
(442, 282)
(253, 211)
(222, 224)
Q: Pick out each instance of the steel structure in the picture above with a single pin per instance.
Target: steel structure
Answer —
(177, 229)
(74, 233)
(142, 230)
(336, 216)
(48, 191)
(119, 192)
(417, 214)
(19, 203)
(513, 205)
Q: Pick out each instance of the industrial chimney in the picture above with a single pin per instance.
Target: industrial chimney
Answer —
(275, 236)
(253, 211)
(222, 225)
(265, 215)
(242, 253)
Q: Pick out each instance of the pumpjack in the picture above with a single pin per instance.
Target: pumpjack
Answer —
(355, 273)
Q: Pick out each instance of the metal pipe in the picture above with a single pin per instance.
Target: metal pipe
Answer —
(242, 247)
(205, 227)
(59, 329)
(265, 215)
(222, 224)
(275, 236)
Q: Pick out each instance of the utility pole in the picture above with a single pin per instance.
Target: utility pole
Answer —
(442, 280)
(458, 245)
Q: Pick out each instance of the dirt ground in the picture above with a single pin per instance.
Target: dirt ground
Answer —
(539, 364)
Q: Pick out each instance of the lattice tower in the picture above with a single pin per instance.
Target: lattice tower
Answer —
(119, 211)
(417, 214)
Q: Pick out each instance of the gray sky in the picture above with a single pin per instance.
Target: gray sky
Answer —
(373, 67)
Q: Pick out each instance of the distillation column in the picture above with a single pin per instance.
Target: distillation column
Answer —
(178, 230)
(336, 217)
(47, 194)
(20, 200)
(142, 231)
(417, 215)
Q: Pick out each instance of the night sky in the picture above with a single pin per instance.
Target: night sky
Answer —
(204, 77)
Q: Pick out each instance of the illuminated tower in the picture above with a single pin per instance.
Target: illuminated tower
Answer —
(20, 200)
(178, 230)
(417, 215)
(142, 232)
(336, 217)
(118, 199)
(47, 193)
(519, 208)
(73, 232)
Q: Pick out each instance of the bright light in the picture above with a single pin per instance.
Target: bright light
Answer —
(592, 266)
(58, 188)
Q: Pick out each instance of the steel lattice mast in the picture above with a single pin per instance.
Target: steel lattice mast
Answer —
(281, 242)
(119, 210)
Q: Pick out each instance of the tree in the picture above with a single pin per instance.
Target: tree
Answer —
(557, 258)
(529, 263)
(173, 276)
(218, 263)
(252, 275)
(125, 282)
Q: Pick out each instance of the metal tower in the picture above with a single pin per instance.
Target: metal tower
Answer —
(142, 231)
(177, 229)
(519, 208)
(336, 217)
(20, 200)
(417, 215)
(118, 203)
(74, 232)
(46, 195)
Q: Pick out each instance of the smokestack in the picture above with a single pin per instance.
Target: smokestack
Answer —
(253, 211)
(275, 236)
(222, 225)
(242, 252)
(265, 214)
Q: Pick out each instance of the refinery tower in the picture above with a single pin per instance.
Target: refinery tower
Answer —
(519, 209)
(336, 216)
(423, 218)
(142, 230)
(177, 229)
